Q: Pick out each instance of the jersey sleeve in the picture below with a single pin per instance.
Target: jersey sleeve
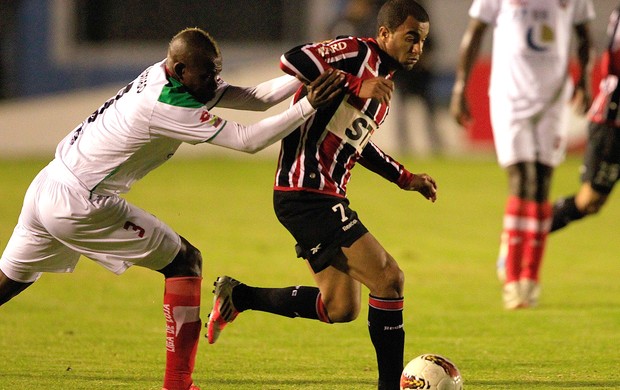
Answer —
(375, 160)
(260, 97)
(485, 10)
(255, 137)
(188, 124)
(310, 60)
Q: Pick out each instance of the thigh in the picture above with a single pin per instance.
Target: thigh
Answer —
(108, 230)
(337, 288)
(31, 249)
(601, 164)
(537, 137)
(29, 252)
(512, 137)
(369, 263)
(551, 134)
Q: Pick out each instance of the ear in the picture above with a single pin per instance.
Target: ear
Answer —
(383, 32)
(179, 68)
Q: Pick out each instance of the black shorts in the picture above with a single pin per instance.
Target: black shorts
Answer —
(321, 225)
(601, 161)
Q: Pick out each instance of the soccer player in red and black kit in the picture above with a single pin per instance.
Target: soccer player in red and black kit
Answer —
(601, 165)
(314, 168)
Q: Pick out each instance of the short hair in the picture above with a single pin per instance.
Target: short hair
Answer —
(394, 13)
(194, 40)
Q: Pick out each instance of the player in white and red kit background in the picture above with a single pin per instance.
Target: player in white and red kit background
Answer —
(601, 165)
(529, 88)
(73, 208)
(314, 167)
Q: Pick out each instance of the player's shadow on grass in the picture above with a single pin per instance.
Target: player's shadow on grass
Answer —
(325, 383)
(545, 384)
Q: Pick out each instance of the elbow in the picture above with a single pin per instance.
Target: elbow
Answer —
(252, 148)
(264, 106)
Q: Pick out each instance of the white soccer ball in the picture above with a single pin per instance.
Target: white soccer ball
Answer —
(431, 372)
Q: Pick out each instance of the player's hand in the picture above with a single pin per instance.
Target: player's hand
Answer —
(459, 109)
(425, 185)
(581, 100)
(378, 88)
(325, 88)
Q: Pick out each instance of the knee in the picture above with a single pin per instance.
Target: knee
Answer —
(396, 278)
(340, 312)
(194, 260)
(342, 307)
(391, 283)
(593, 207)
(589, 201)
(188, 262)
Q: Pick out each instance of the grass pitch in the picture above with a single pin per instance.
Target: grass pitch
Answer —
(94, 330)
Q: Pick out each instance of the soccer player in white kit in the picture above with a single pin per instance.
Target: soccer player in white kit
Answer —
(529, 88)
(73, 206)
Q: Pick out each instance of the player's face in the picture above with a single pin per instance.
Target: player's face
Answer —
(405, 44)
(201, 78)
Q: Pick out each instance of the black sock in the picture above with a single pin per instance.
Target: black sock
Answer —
(298, 301)
(565, 211)
(385, 325)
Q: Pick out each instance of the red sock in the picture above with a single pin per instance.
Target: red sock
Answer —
(183, 325)
(539, 221)
(512, 237)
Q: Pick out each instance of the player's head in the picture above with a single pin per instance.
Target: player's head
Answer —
(194, 59)
(402, 27)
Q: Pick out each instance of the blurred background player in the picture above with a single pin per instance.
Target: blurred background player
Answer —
(416, 85)
(601, 163)
(73, 206)
(310, 192)
(529, 88)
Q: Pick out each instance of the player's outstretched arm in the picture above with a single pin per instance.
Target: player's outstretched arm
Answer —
(256, 137)
(260, 97)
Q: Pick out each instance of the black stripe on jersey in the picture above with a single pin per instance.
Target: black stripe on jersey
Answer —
(308, 68)
(340, 171)
(352, 64)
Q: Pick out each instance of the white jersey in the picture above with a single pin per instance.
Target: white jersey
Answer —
(531, 44)
(144, 124)
(72, 209)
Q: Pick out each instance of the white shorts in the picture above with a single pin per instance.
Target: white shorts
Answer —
(59, 222)
(541, 137)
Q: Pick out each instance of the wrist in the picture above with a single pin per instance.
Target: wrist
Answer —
(405, 179)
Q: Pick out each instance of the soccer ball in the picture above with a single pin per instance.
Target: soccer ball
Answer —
(431, 372)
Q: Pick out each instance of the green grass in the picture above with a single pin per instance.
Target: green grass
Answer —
(94, 330)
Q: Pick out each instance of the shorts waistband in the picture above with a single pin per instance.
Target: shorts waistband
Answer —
(59, 172)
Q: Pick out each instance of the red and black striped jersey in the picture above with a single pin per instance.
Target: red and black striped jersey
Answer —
(605, 108)
(320, 154)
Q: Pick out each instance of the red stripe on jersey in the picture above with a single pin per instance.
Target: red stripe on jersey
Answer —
(297, 168)
(313, 158)
(328, 152)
